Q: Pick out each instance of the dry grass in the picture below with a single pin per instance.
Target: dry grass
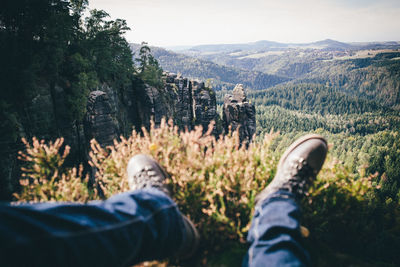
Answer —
(44, 177)
(214, 181)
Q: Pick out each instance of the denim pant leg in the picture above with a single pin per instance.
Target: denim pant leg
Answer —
(125, 229)
(274, 236)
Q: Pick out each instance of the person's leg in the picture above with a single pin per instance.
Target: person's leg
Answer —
(126, 229)
(275, 236)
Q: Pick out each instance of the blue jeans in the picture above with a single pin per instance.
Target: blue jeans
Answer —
(130, 228)
(274, 236)
(125, 229)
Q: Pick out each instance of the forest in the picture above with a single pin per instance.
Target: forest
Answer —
(45, 45)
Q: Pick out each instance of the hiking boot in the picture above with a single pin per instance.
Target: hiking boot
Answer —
(298, 167)
(145, 172)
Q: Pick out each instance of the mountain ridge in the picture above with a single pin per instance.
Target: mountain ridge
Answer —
(267, 44)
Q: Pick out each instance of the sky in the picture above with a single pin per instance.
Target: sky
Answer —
(194, 22)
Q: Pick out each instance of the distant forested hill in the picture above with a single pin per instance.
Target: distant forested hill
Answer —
(315, 98)
(370, 71)
(376, 78)
(222, 76)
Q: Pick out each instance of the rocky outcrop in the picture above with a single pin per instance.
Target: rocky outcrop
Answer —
(204, 106)
(111, 112)
(182, 96)
(159, 104)
(239, 112)
(100, 120)
(45, 115)
(188, 103)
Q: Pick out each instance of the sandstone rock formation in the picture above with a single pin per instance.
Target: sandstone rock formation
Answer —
(204, 106)
(182, 96)
(188, 103)
(239, 112)
(157, 104)
(112, 111)
(100, 119)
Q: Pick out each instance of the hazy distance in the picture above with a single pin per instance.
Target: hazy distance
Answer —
(188, 22)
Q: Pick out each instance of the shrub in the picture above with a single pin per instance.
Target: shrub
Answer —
(45, 179)
(349, 223)
(214, 181)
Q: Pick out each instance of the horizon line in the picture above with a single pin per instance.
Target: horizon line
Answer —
(264, 40)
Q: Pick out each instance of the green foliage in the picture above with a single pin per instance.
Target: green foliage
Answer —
(48, 42)
(314, 98)
(149, 70)
(107, 49)
(292, 120)
(31, 42)
(52, 54)
(9, 123)
(82, 79)
(374, 78)
(386, 161)
(346, 217)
